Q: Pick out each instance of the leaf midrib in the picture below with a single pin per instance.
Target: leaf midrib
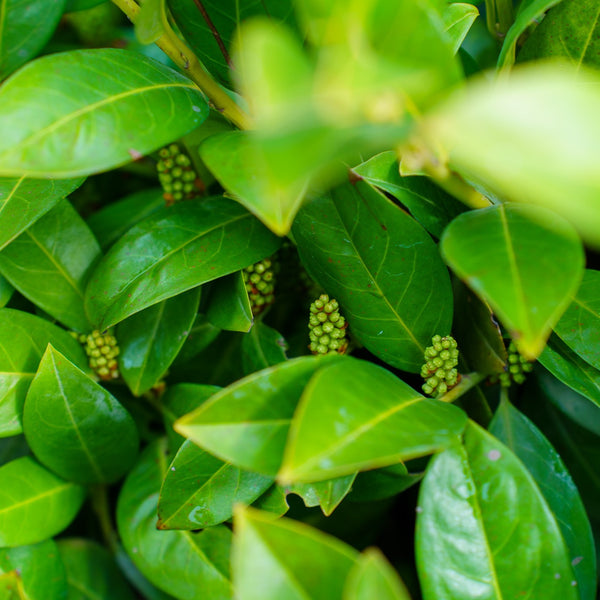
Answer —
(55, 490)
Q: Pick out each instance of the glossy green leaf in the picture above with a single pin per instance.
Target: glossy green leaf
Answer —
(382, 267)
(40, 570)
(497, 251)
(150, 102)
(228, 305)
(262, 347)
(111, 222)
(91, 572)
(497, 135)
(247, 422)
(151, 22)
(373, 577)
(358, 416)
(275, 559)
(201, 490)
(327, 494)
(150, 339)
(50, 264)
(467, 548)
(74, 426)
(35, 504)
(379, 484)
(570, 31)
(428, 203)
(202, 334)
(458, 18)
(172, 251)
(527, 442)
(579, 326)
(24, 32)
(6, 292)
(23, 201)
(23, 340)
(189, 566)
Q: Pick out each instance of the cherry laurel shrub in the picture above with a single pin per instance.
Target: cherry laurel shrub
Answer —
(299, 299)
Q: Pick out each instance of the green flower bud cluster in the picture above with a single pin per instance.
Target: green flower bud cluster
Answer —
(176, 174)
(102, 351)
(260, 284)
(516, 368)
(439, 370)
(327, 327)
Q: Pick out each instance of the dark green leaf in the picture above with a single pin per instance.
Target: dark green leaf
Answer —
(35, 504)
(262, 347)
(202, 334)
(189, 566)
(6, 292)
(327, 494)
(201, 490)
(247, 423)
(276, 559)
(382, 267)
(91, 572)
(24, 31)
(75, 5)
(75, 121)
(23, 201)
(497, 251)
(468, 548)
(274, 500)
(527, 442)
(150, 339)
(23, 340)
(228, 306)
(379, 484)
(355, 416)
(172, 251)
(12, 448)
(74, 426)
(50, 264)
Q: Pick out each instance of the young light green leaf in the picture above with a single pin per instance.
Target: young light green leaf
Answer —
(174, 250)
(189, 566)
(23, 201)
(150, 339)
(262, 347)
(327, 494)
(201, 490)
(275, 559)
(228, 304)
(458, 19)
(73, 124)
(23, 340)
(528, 443)
(358, 416)
(151, 22)
(492, 250)
(24, 32)
(91, 571)
(50, 264)
(35, 504)
(467, 548)
(74, 426)
(247, 422)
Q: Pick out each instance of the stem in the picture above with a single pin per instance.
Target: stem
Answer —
(186, 60)
(499, 17)
(99, 498)
(466, 383)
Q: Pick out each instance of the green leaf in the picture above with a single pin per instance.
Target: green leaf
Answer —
(428, 203)
(76, 5)
(91, 572)
(228, 304)
(458, 19)
(275, 559)
(274, 500)
(111, 222)
(569, 31)
(247, 422)
(172, 251)
(202, 334)
(382, 267)
(497, 135)
(373, 577)
(379, 484)
(13, 447)
(6, 292)
(74, 426)
(262, 347)
(28, 336)
(50, 264)
(497, 251)
(11, 587)
(151, 22)
(327, 494)
(24, 32)
(73, 124)
(468, 548)
(201, 490)
(189, 566)
(357, 416)
(35, 504)
(23, 201)
(39, 568)
(150, 339)
(527, 442)
(530, 11)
